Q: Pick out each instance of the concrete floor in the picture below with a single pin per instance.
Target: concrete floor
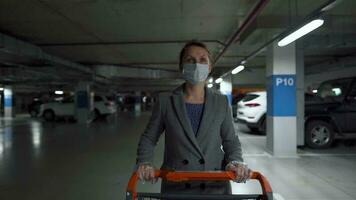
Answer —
(63, 160)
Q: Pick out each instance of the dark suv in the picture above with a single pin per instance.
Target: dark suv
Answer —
(332, 114)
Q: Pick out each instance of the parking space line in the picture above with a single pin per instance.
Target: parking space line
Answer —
(277, 196)
(264, 154)
(326, 155)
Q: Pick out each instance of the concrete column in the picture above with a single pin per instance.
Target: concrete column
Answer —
(300, 94)
(1, 101)
(83, 103)
(226, 87)
(137, 103)
(281, 101)
(9, 110)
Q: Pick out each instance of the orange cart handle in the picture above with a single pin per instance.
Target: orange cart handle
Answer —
(179, 176)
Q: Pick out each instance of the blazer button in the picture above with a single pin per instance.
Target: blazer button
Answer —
(202, 186)
(187, 186)
(202, 161)
(185, 162)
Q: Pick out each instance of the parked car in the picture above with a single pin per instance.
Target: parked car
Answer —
(66, 108)
(129, 103)
(334, 115)
(251, 110)
(309, 98)
(34, 107)
(235, 100)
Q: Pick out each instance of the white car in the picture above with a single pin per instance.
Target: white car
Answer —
(66, 108)
(251, 111)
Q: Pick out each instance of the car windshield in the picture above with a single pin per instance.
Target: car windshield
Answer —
(68, 100)
(249, 97)
(110, 98)
(332, 91)
(98, 98)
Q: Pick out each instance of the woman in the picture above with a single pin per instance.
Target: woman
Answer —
(197, 122)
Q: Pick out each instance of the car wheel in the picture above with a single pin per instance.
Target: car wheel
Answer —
(319, 134)
(49, 115)
(33, 113)
(253, 129)
(96, 113)
(262, 127)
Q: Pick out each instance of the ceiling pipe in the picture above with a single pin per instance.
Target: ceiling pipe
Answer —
(125, 43)
(251, 17)
(317, 12)
(113, 71)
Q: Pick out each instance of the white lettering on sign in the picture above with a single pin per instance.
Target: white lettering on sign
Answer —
(284, 81)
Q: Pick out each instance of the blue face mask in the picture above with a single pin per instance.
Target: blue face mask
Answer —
(195, 73)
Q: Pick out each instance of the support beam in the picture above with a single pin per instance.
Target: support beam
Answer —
(112, 71)
(145, 88)
(329, 41)
(21, 49)
(332, 65)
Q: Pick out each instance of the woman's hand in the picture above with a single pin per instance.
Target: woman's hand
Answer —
(241, 170)
(146, 172)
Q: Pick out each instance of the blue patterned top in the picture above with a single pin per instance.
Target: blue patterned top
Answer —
(195, 113)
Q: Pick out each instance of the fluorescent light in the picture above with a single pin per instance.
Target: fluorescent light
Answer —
(1, 89)
(211, 80)
(218, 80)
(59, 92)
(337, 91)
(238, 69)
(243, 62)
(58, 99)
(210, 85)
(300, 32)
(315, 91)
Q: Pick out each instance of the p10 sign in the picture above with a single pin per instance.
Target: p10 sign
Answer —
(281, 95)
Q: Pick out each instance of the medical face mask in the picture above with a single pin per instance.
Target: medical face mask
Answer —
(195, 73)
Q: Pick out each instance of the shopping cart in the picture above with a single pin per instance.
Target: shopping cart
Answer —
(132, 194)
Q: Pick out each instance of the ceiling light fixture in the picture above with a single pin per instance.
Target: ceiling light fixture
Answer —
(210, 85)
(238, 69)
(59, 92)
(307, 28)
(219, 80)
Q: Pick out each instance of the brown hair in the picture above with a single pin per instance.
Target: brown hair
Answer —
(190, 44)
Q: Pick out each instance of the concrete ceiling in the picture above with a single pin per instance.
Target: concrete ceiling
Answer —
(88, 36)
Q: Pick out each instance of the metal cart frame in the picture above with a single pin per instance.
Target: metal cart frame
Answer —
(179, 176)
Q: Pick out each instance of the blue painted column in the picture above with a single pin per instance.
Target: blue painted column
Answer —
(83, 103)
(281, 100)
(9, 110)
(226, 87)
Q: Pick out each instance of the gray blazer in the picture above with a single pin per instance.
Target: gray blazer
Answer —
(183, 150)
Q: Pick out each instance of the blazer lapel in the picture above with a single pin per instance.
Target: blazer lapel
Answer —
(183, 117)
